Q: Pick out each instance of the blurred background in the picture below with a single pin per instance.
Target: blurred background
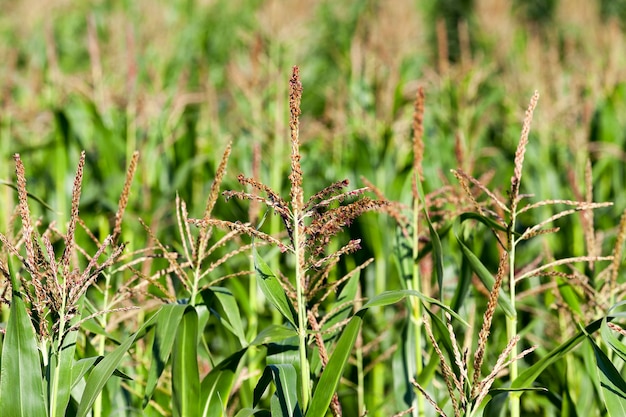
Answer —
(177, 80)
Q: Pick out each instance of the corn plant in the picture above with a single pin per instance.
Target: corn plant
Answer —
(39, 370)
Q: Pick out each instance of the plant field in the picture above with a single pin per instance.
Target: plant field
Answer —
(314, 208)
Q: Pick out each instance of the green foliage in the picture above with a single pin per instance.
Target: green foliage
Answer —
(21, 387)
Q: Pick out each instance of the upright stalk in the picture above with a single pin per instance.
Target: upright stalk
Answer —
(56, 348)
(416, 306)
(511, 322)
(302, 321)
(298, 233)
(416, 313)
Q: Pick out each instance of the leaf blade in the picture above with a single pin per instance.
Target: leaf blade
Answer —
(21, 382)
(185, 373)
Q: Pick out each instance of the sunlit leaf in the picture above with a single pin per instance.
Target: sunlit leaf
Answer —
(273, 290)
(21, 386)
(185, 373)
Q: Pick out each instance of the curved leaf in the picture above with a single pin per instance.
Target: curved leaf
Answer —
(103, 371)
(613, 385)
(185, 373)
(526, 378)
(392, 297)
(216, 386)
(232, 320)
(435, 241)
(167, 322)
(487, 221)
(608, 336)
(21, 386)
(327, 384)
(273, 290)
(273, 334)
(284, 402)
(486, 277)
(64, 366)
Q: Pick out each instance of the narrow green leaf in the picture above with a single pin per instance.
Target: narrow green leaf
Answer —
(34, 197)
(185, 374)
(487, 221)
(613, 385)
(21, 383)
(486, 277)
(231, 310)
(435, 241)
(496, 404)
(102, 372)
(394, 296)
(65, 364)
(167, 323)
(81, 367)
(329, 380)
(608, 336)
(284, 402)
(273, 334)
(261, 385)
(526, 378)
(216, 386)
(273, 290)
(442, 335)
(463, 286)
(247, 412)
(404, 368)
(570, 295)
(342, 308)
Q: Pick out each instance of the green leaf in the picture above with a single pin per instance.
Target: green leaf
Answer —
(102, 372)
(496, 400)
(570, 295)
(613, 385)
(463, 286)
(526, 378)
(284, 402)
(64, 366)
(434, 238)
(167, 323)
(342, 307)
(185, 373)
(34, 197)
(273, 290)
(608, 336)
(442, 335)
(392, 297)
(233, 317)
(21, 386)
(216, 386)
(486, 278)
(273, 333)
(247, 412)
(487, 221)
(329, 380)
(496, 405)
(81, 367)
(404, 368)
(261, 385)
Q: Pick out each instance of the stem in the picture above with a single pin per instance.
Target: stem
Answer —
(416, 308)
(360, 375)
(97, 405)
(511, 322)
(302, 316)
(56, 350)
